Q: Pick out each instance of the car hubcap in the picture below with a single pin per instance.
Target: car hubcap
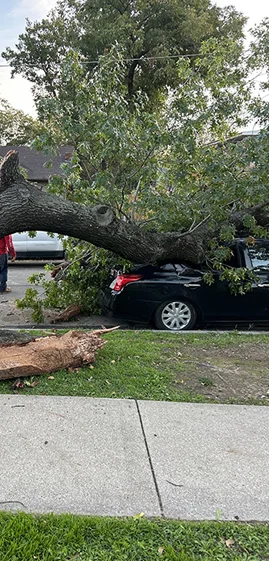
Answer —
(176, 315)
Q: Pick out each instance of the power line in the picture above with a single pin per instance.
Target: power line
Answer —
(164, 57)
(141, 59)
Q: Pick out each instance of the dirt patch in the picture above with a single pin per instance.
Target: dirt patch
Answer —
(236, 374)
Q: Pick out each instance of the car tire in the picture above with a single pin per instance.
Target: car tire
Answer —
(175, 315)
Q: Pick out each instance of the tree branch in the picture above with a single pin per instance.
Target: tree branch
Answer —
(130, 77)
(9, 170)
(134, 201)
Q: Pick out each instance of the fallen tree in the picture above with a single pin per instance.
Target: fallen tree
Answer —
(24, 207)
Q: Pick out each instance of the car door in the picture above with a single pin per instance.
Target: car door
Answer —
(219, 304)
(258, 298)
(216, 302)
(254, 304)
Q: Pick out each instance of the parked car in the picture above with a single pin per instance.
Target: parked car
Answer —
(42, 246)
(174, 296)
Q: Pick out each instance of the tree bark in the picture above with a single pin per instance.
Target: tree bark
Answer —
(131, 71)
(24, 207)
(49, 354)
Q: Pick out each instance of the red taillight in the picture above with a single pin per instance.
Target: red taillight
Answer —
(122, 280)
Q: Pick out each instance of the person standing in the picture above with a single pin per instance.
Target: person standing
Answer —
(6, 247)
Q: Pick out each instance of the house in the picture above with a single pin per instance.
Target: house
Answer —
(242, 136)
(34, 162)
(236, 138)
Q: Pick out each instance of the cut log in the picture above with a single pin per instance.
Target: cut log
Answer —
(48, 354)
(70, 312)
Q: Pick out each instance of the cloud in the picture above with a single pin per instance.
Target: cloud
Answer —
(255, 11)
(17, 91)
(32, 9)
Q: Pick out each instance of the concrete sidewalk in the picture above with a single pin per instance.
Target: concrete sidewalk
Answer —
(122, 457)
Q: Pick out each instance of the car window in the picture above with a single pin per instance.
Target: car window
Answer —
(259, 255)
(172, 267)
(178, 268)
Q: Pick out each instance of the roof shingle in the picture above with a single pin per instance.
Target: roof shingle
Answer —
(33, 161)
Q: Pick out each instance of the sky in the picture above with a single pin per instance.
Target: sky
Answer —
(13, 14)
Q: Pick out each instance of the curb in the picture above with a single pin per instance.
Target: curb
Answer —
(123, 327)
(57, 326)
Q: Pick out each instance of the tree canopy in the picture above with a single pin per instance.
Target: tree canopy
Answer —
(151, 33)
(15, 126)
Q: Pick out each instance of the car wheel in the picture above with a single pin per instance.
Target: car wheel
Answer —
(175, 316)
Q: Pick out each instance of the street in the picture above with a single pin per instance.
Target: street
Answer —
(11, 316)
(18, 274)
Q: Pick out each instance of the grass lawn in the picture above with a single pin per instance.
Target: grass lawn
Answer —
(24, 537)
(219, 368)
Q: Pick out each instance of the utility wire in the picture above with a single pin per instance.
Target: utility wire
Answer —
(194, 73)
(139, 59)
(134, 59)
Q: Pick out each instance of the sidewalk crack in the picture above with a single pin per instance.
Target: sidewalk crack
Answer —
(150, 460)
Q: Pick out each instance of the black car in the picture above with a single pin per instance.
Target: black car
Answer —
(174, 296)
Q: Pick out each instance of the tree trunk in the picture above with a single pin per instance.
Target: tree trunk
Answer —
(24, 207)
(131, 71)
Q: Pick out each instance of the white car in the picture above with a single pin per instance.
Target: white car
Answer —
(42, 246)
